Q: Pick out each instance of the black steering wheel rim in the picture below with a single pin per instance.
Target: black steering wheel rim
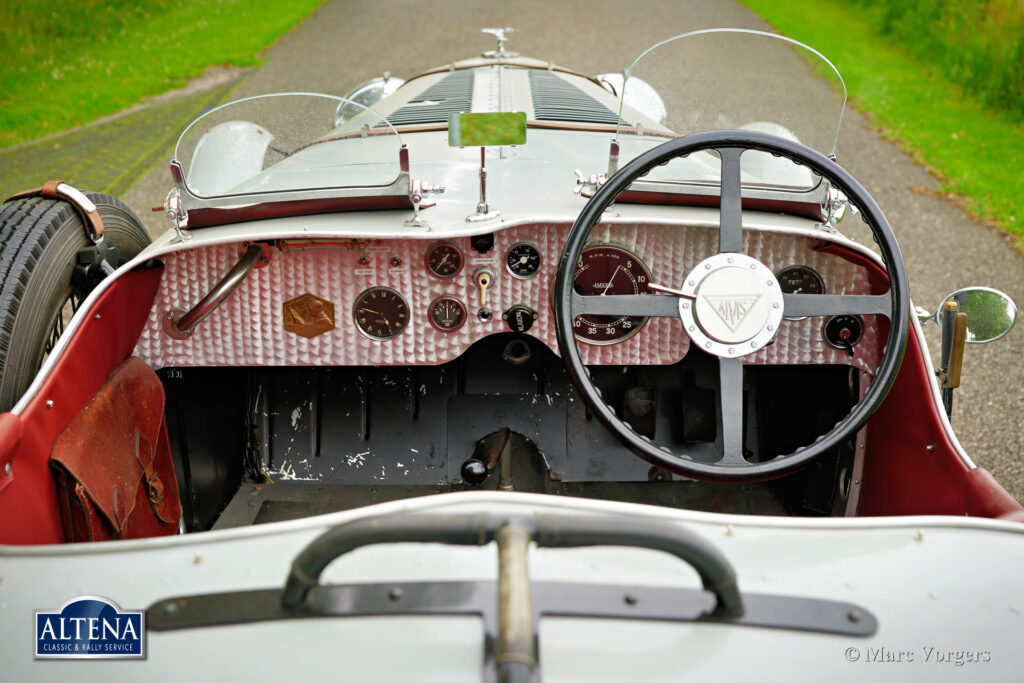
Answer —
(898, 297)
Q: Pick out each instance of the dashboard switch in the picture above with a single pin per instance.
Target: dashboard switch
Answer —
(520, 318)
(484, 278)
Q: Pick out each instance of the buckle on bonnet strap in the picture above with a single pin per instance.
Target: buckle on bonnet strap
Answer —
(106, 256)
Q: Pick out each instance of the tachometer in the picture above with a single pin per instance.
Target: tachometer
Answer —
(607, 269)
(381, 313)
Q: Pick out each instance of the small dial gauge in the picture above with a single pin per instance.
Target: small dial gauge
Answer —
(444, 259)
(447, 313)
(800, 280)
(607, 269)
(843, 331)
(381, 313)
(523, 260)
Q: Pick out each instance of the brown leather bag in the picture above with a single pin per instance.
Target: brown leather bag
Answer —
(113, 465)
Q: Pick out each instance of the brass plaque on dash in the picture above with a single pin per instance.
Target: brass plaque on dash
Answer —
(308, 315)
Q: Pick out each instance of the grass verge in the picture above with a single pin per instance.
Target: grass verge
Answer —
(976, 153)
(67, 62)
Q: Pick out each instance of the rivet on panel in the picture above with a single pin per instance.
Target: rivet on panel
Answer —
(49, 404)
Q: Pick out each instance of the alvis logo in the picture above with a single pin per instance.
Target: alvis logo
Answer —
(732, 309)
(90, 627)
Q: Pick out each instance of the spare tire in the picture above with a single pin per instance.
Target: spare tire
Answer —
(39, 244)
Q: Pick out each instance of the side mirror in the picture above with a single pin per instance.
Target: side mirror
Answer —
(991, 314)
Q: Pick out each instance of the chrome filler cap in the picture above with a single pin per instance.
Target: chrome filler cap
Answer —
(732, 305)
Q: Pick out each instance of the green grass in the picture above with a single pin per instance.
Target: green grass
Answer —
(67, 62)
(975, 150)
(977, 43)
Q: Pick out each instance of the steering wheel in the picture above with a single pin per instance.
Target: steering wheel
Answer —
(731, 306)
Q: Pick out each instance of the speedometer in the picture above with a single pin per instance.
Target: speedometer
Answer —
(608, 269)
(800, 280)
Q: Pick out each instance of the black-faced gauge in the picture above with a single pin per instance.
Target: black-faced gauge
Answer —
(800, 280)
(447, 313)
(607, 269)
(381, 313)
(523, 260)
(444, 259)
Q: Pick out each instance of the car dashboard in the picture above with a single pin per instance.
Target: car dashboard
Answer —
(351, 302)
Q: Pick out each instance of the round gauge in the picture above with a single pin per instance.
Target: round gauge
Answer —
(843, 331)
(799, 280)
(381, 313)
(444, 259)
(523, 260)
(447, 313)
(606, 269)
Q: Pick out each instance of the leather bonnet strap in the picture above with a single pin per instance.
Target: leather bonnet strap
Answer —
(58, 189)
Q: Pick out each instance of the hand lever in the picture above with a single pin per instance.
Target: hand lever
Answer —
(484, 278)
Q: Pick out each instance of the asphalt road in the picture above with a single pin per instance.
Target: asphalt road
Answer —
(349, 41)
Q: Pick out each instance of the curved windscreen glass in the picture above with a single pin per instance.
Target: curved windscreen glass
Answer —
(286, 142)
(727, 79)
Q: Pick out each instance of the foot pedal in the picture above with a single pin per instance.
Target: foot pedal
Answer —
(640, 410)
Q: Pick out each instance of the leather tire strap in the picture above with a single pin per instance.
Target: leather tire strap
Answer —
(58, 189)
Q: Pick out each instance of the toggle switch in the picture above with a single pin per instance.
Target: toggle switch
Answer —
(484, 278)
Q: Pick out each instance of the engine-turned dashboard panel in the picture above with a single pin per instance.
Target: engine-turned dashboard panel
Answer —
(425, 301)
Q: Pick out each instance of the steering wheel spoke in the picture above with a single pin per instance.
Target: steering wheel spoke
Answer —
(806, 305)
(730, 225)
(730, 413)
(640, 305)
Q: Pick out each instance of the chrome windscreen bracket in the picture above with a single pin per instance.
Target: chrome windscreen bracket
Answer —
(417, 191)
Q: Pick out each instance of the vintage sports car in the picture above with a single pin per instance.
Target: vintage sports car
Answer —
(617, 326)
